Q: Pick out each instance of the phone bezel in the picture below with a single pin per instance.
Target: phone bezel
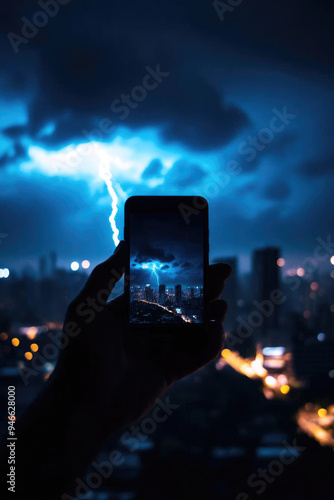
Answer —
(170, 204)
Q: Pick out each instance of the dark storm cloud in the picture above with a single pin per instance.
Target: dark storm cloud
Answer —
(15, 131)
(153, 169)
(89, 54)
(16, 153)
(277, 190)
(164, 267)
(183, 174)
(148, 252)
(323, 165)
(186, 265)
(249, 157)
(81, 66)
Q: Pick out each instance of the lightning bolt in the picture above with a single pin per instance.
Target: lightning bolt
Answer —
(154, 268)
(154, 271)
(105, 174)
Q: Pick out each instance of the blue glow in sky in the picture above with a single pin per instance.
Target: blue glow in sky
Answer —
(64, 190)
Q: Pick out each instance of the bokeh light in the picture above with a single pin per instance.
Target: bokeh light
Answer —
(15, 342)
(300, 272)
(85, 264)
(28, 355)
(75, 266)
(280, 262)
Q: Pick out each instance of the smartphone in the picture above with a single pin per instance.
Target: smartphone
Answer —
(167, 242)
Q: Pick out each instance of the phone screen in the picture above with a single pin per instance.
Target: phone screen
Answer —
(166, 268)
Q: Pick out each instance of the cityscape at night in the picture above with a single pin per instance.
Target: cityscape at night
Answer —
(279, 351)
(231, 101)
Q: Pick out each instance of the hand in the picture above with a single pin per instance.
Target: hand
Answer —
(113, 376)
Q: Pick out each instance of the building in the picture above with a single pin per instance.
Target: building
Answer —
(162, 294)
(148, 293)
(178, 295)
(265, 281)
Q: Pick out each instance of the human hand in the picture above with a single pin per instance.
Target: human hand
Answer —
(115, 374)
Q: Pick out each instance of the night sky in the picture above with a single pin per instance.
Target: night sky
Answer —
(240, 110)
(168, 243)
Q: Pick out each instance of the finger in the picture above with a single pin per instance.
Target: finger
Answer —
(218, 274)
(104, 276)
(216, 337)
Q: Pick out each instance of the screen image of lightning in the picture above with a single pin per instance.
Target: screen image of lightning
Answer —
(154, 267)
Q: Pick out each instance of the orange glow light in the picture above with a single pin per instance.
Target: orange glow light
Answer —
(28, 355)
(3, 336)
(225, 352)
(280, 262)
(285, 389)
(32, 332)
(15, 342)
(322, 412)
(34, 347)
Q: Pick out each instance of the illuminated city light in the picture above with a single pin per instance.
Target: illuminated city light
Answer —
(280, 262)
(317, 423)
(322, 412)
(300, 272)
(28, 356)
(273, 351)
(4, 273)
(34, 347)
(85, 264)
(314, 286)
(332, 260)
(282, 379)
(321, 337)
(3, 336)
(15, 342)
(270, 381)
(257, 366)
(285, 389)
(75, 266)
(226, 352)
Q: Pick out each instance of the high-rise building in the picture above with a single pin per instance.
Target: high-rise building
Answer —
(178, 295)
(53, 263)
(148, 293)
(265, 281)
(42, 267)
(162, 294)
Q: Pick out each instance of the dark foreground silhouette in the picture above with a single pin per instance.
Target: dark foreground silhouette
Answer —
(102, 382)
